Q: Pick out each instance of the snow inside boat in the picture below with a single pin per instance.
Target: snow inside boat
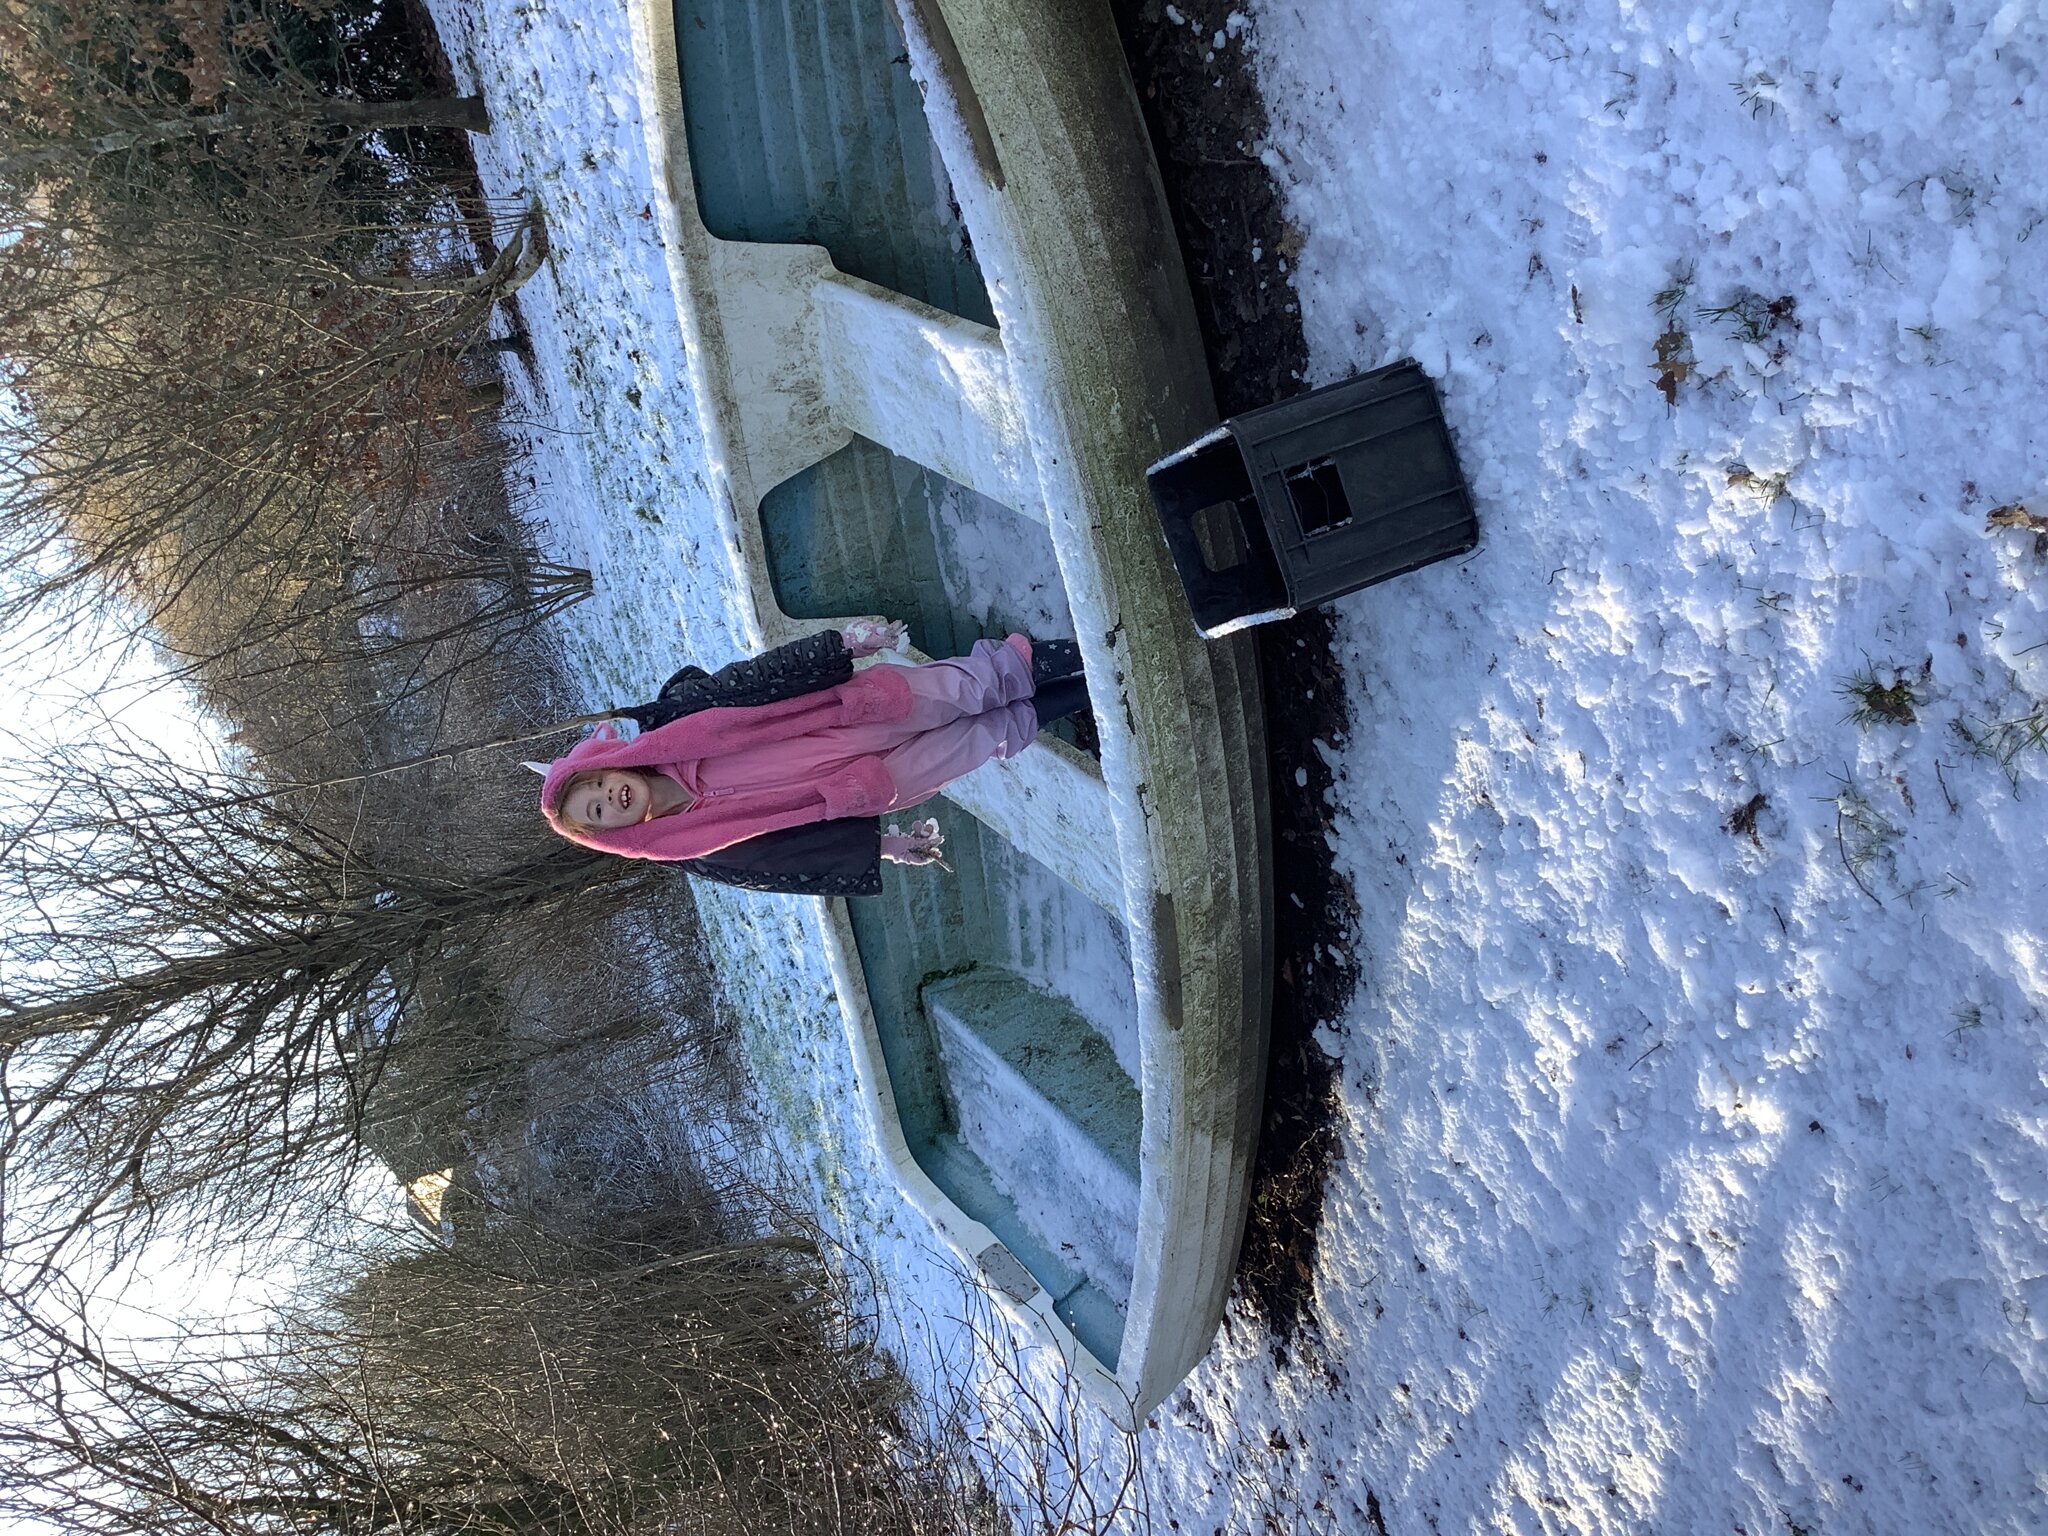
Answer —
(939, 326)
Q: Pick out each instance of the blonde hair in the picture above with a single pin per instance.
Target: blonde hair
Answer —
(569, 787)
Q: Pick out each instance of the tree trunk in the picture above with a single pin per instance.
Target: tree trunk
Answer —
(322, 947)
(464, 112)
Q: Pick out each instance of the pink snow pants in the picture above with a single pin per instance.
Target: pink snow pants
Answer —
(963, 712)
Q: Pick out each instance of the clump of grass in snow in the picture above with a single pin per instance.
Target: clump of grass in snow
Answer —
(2005, 742)
(1758, 91)
(1749, 316)
(1670, 297)
(1770, 489)
(1881, 696)
(1864, 837)
(1757, 321)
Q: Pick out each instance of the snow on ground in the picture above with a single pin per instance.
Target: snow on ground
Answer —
(1694, 1179)
(1694, 1175)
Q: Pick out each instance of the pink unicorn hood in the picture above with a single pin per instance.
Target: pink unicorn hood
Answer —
(862, 789)
(606, 747)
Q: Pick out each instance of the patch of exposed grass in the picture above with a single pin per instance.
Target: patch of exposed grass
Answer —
(1770, 489)
(1865, 839)
(1882, 696)
(2006, 742)
(1672, 296)
(1758, 91)
(1750, 316)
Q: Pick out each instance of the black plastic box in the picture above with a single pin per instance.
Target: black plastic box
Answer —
(1293, 504)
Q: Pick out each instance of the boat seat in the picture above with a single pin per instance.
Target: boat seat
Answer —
(1032, 1086)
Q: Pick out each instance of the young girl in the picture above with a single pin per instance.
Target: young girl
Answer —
(773, 773)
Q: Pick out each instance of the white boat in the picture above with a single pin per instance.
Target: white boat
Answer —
(925, 274)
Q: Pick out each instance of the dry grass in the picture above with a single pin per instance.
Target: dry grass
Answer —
(1882, 696)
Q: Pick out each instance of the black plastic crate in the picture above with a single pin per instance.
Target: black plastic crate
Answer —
(1293, 504)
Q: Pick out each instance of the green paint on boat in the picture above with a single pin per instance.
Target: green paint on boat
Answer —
(805, 127)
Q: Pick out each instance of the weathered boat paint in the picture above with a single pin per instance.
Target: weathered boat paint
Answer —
(1092, 371)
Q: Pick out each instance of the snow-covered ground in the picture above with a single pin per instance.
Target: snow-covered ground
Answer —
(1695, 1127)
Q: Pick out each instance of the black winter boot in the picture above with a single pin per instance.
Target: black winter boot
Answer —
(1061, 697)
(1052, 660)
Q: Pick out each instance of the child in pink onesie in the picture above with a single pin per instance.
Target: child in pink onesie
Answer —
(736, 788)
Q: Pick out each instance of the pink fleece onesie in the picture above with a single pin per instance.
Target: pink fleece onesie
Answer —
(963, 712)
(890, 738)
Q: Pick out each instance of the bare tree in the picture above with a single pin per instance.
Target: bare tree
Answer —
(132, 79)
(239, 337)
(74, 153)
(201, 1000)
(253, 389)
(642, 1372)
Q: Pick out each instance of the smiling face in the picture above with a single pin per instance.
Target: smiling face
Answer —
(601, 802)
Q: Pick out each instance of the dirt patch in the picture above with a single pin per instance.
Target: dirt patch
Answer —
(1314, 907)
(1207, 123)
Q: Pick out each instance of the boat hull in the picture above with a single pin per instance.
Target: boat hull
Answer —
(1093, 370)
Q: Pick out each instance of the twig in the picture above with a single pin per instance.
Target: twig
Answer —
(1953, 808)
(273, 791)
(1847, 863)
